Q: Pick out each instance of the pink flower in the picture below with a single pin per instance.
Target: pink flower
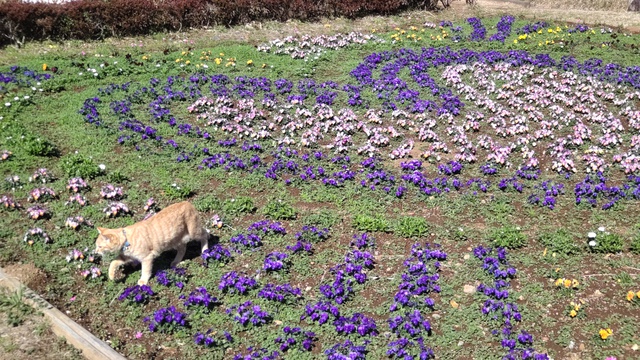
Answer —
(73, 298)
(138, 335)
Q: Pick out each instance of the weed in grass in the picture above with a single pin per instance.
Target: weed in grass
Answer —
(207, 203)
(177, 192)
(606, 242)
(37, 146)
(559, 241)
(411, 226)
(16, 310)
(279, 210)
(79, 165)
(510, 237)
(323, 219)
(635, 244)
(370, 223)
(238, 205)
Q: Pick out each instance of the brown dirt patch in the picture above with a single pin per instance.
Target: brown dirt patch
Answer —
(27, 274)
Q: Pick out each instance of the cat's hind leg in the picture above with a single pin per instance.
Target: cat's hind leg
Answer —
(204, 240)
(182, 249)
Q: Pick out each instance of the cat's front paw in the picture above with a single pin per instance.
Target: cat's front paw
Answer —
(142, 282)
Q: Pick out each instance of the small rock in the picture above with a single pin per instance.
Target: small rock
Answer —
(437, 316)
(277, 322)
(598, 294)
(460, 343)
(28, 348)
(388, 269)
(466, 257)
(469, 289)
(581, 347)
(454, 304)
(635, 347)
(572, 344)
(307, 288)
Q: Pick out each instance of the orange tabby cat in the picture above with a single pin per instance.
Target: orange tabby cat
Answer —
(171, 228)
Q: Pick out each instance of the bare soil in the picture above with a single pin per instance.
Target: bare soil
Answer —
(33, 340)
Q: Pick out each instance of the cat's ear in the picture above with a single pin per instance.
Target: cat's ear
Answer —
(100, 230)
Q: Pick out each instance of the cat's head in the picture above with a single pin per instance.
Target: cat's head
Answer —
(107, 241)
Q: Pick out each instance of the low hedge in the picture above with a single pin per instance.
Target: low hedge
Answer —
(98, 19)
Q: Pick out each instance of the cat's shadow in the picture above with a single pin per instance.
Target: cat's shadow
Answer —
(163, 262)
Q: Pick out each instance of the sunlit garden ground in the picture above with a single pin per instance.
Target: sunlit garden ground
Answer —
(462, 189)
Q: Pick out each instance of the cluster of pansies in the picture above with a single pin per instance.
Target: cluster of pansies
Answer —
(36, 235)
(419, 280)
(76, 221)
(166, 319)
(42, 175)
(312, 47)
(499, 309)
(247, 313)
(137, 294)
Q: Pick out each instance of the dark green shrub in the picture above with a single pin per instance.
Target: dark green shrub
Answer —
(559, 241)
(508, 236)
(607, 243)
(241, 204)
(78, 165)
(39, 147)
(411, 226)
(279, 210)
(370, 223)
(323, 219)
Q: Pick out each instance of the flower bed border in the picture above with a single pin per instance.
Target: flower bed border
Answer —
(61, 325)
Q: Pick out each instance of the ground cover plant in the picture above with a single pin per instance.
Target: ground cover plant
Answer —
(456, 189)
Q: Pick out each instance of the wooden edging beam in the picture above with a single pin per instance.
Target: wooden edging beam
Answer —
(92, 348)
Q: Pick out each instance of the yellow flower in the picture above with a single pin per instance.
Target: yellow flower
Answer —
(187, 62)
(145, 57)
(249, 62)
(184, 53)
(218, 61)
(574, 283)
(630, 295)
(264, 66)
(221, 54)
(638, 294)
(559, 282)
(178, 60)
(573, 313)
(605, 333)
(567, 283)
(44, 67)
(515, 41)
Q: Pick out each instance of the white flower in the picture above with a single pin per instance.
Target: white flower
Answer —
(601, 228)
(26, 97)
(16, 98)
(102, 167)
(7, 104)
(591, 235)
(80, 73)
(592, 243)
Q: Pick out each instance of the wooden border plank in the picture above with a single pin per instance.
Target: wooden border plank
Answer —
(92, 348)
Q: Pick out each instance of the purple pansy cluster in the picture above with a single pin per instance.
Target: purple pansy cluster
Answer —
(166, 320)
(233, 282)
(248, 313)
(173, 276)
(137, 294)
(498, 307)
(280, 293)
(295, 338)
(419, 279)
(200, 297)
